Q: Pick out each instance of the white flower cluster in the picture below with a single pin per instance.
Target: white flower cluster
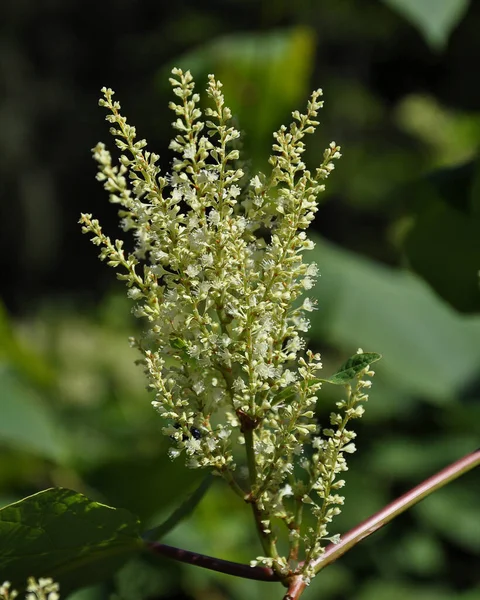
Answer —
(217, 271)
(43, 589)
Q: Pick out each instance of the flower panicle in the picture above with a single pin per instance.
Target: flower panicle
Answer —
(217, 272)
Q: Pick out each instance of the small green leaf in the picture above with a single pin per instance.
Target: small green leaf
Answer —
(62, 534)
(354, 365)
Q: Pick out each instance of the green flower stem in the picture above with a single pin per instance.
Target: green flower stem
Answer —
(297, 522)
(332, 474)
(268, 543)
(229, 478)
(387, 514)
(266, 537)
(250, 450)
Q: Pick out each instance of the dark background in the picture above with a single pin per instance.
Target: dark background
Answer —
(398, 245)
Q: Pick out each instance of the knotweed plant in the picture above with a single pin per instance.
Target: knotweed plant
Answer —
(217, 272)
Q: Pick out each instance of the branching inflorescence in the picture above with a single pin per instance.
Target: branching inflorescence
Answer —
(217, 272)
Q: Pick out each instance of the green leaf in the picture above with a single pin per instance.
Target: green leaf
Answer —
(26, 421)
(62, 534)
(25, 360)
(420, 552)
(352, 367)
(182, 512)
(436, 19)
(380, 589)
(137, 482)
(427, 347)
(443, 246)
(453, 511)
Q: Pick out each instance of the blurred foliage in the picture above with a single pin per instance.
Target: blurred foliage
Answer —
(397, 244)
(434, 18)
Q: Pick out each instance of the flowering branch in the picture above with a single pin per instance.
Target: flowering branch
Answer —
(384, 516)
(217, 273)
(296, 583)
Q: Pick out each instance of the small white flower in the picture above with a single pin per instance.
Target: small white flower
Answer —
(214, 217)
(192, 445)
(207, 260)
(223, 433)
(239, 384)
(256, 183)
(189, 152)
(211, 444)
(134, 293)
(192, 270)
(285, 491)
(308, 283)
(309, 305)
(234, 191)
(198, 387)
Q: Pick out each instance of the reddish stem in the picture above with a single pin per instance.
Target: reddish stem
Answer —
(295, 588)
(214, 564)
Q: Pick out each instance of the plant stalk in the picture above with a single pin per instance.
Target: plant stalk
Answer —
(250, 450)
(296, 584)
(213, 564)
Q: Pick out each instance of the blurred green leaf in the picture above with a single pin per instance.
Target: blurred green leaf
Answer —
(93, 592)
(436, 19)
(454, 512)
(182, 512)
(28, 362)
(138, 481)
(220, 526)
(474, 195)
(139, 579)
(443, 246)
(62, 534)
(405, 457)
(382, 589)
(420, 552)
(450, 136)
(427, 348)
(472, 594)
(26, 421)
(265, 76)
